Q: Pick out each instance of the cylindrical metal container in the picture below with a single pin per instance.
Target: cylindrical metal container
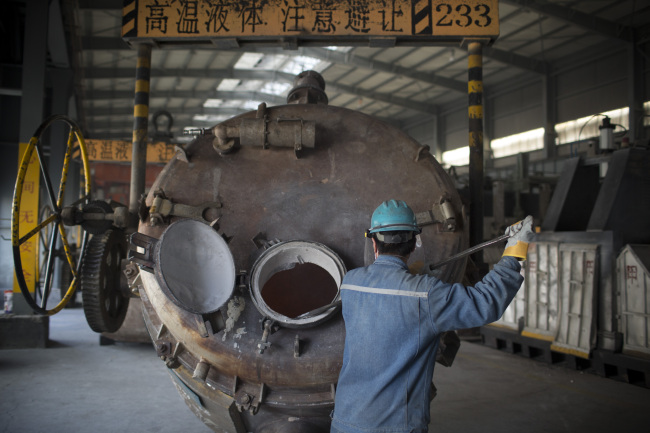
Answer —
(293, 218)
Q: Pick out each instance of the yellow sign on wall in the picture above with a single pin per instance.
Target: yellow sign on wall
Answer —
(121, 151)
(316, 21)
(28, 219)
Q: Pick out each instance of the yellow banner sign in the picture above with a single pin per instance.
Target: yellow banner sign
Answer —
(121, 151)
(28, 219)
(327, 21)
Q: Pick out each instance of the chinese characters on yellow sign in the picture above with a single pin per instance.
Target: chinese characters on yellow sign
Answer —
(311, 20)
(120, 151)
(28, 219)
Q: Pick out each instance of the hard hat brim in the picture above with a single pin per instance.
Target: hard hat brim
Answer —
(395, 228)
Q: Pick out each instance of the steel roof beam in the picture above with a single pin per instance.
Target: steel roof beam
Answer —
(350, 59)
(510, 58)
(241, 74)
(517, 60)
(190, 94)
(383, 97)
(263, 97)
(571, 16)
(122, 73)
(105, 43)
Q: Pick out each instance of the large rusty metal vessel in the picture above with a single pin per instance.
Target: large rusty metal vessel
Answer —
(244, 240)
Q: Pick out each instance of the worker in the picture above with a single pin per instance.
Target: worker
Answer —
(393, 321)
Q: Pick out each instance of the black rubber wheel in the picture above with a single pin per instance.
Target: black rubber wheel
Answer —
(104, 303)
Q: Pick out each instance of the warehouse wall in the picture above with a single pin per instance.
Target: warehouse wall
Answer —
(597, 84)
(516, 111)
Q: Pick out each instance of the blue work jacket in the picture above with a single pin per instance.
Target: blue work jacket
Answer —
(393, 321)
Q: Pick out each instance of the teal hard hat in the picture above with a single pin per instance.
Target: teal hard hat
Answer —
(393, 215)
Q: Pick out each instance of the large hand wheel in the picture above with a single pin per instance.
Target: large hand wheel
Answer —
(52, 224)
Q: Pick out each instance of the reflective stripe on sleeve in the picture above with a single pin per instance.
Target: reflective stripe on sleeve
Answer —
(384, 291)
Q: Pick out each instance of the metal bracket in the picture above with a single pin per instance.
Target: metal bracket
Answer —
(261, 242)
(422, 150)
(201, 370)
(133, 279)
(145, 257)
(168, 352)
(261, 114)
(441, 213)
(203, 325)
(242, 279)
(163, 208)
(296, 347)
(181, 153)
(297, 142)
(250, 402)
(264, 344)
(263, 131)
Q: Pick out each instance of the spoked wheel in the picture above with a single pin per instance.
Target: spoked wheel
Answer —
(52, 224)
(43, 247)
(43, 252)
(104, 303)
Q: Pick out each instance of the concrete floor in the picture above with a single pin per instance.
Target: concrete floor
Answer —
(76, 385)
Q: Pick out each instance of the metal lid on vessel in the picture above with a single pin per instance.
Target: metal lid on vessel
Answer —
(195, 267)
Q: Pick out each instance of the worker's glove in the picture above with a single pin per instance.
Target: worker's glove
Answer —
(521, 234)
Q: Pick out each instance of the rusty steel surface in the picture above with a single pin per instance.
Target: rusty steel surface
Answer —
(327, 196)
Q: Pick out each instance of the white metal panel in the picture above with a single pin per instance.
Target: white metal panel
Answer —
(542, 291)
(634, 298)
(578, 279)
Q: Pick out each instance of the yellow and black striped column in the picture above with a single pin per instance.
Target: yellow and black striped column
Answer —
(475, 94)
(140, 126)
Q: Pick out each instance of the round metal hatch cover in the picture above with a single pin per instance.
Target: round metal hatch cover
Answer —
(195, 267)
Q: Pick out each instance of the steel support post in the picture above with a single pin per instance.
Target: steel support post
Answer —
(635, 91)
(32, 103)
(140, 126)
(475, 94)
(34, 62)
(550, 115)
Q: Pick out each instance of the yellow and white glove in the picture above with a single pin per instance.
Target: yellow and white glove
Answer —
(521, 234)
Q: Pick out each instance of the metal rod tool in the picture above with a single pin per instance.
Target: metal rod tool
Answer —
(469, 251)
(319, 310)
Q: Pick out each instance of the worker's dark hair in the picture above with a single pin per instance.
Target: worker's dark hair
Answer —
(401, 249)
